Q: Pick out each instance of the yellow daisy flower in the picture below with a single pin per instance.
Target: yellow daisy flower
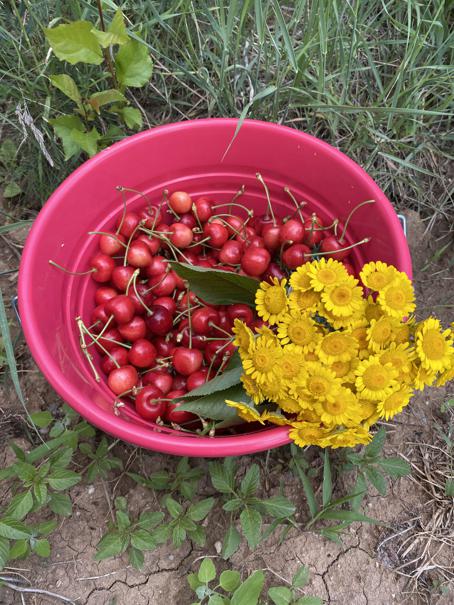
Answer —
(401, 333)
(260, 360)
(308, 300)
(308, 415)
(373, 418)
(446, 376)
(289, 404)
(252, 389)
(348, 438)
(343, 299)
(400, 357)
(359, 333)
(271, 300)
(377, 275)
(311, 356)
(307, 433)
(273, 390)
(366, 409)
(422, 377)
(433, 346)
(394, 403)
(300, 279)
(398, 297)
(243, 336)
(320, 382)
(374, 380)
(291, 366)
(337, 346)
(274, 418)
(299, 329)
(327, 272)
(372, 310)
(245, 412)
(337, 409)
(345, 370)
(338, 323)
(379, 333)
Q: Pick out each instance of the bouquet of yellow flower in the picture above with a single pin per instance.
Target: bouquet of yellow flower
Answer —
(333, 357)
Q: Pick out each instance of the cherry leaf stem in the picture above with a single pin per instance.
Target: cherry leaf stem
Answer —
(363, 241)
(353, 210)
(267, 193)
(298, 206)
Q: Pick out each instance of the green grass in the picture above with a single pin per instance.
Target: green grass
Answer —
(373, 78)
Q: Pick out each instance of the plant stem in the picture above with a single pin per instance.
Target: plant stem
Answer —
(106, 51)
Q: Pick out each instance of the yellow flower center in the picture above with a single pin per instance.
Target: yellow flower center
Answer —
(327, 276)
(377, 280)
(402, 334)
(433, 344)
(395, 298)
(306, 299)
(393, 402)
(341, 295)
(318, 385)
(360, 334)
(376, 377)
(302, 280)
(334, 344)
(334, 408)
(382, 330)
(275, 300)
(300, 332)
(340, 368)
(290, 366)
(262, 360)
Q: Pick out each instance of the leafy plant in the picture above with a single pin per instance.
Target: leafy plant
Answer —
(101, 463)
(10, 170)
(230, 590)
(241, 501)
(184, 481)
(129, 65)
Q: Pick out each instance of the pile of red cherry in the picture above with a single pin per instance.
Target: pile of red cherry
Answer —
(158, 340)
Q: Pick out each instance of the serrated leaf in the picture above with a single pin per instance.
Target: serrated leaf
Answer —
(121, 503)
(42, 548)
(279, 507)
(218, 287)
(280, 595)
(44, 528)
(117, 28)
(110, 545)
(75, 42)
(377, 479)
(13, 529)
(149, 519)
(248, 592)
(376, 445)
(395, 467)
(20, 506)
(99, 99)
(122, 518)
(175, 509)
(213, 406)
(232, 540)
(40, 492)
(25, 471)
(301, 577)
(62, 457)
(136, 558)
(64, 126)
(133, 64)
(143, 540)
(19, 549)
(61, 478)
(87, 141)
(178, 535)
(230, 377)
(251, 523)
(198, 535)
(199, 510)
(221, 478)
(229, 580)
(60, 504)
(68, 87)
(232, 505)
(11, 190)
(207, 571)
(132, 117)
(4, 552)
(161, 534)
(250, 482)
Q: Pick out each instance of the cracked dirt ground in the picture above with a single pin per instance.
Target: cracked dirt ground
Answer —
(357, 572)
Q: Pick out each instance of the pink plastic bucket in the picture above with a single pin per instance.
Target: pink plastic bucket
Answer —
(186, 156)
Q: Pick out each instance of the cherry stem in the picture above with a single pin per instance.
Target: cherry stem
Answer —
(183, 313)
(238, 194)
(194, 210)
(226, 224)
(213, 325)
(363, 241)
(128, 245)
(54, 264)
(114, 235)
(341, 239)
(123, 199)
(134, 285)
(267, 193)
(298, 206)
(83, 346)
(144, 195)
(189, 318)
(106, 325)
(157, 284)
(248, 211)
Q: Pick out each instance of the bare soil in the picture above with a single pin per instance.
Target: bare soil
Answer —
(361, 571)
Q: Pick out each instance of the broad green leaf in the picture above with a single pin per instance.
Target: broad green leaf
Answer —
(232, 540)
(117, 28)
(248, 592)
(122, 518)
(229, 580)
(251, 481)
(279, 507)
(8, 150)
(143, 540)
(136, 558)
(42, 548)
(42, 419)
(230, 377)
(121, 503)
(178, 535)
(199, 510)
(198, 535)
(218, 287)
(44, 528)
(68, 87)
(20, 506)
(348, 515)
(61, 478)
(376, 445)
(221, 477)
(4, 552)
(112, 95)
(214, 406)
(377, 479)
(327, 488)
(193, 581)
(395, 467)
(308, 600)
(133, 64)
(60, 504)
(64, 126)
(161, 534)
(232, 505)
(11, 190)
(25, 471)
(301, 577)
(216, 599)
(75, 42)
(207, 571)
(62, 457)
(251, 523)
(132, 117)
(280, 595)
(13, 529)
(175, 509)
(149, 519)
(110, 545)
(186, 523)
(88, 141)
(19, 549)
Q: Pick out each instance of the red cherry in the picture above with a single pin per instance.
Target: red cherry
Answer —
(111, 244)
(134, 329)
(312, 235)
(202, 318)
(121, 380)
(273, 271)
(152, 243)
(103, 266)
(216, 352)
(189, 257)
(188, 220)
(180, 284)
(160, 378)
(142, 354)
(173, 414)
(108, 338)
(121, 276)
(292, 231)
(255, 261)
(149, 403)
(121, 307)
(180, 202)
(332, 248)
(216, 232)
(294, 255)
(207, 262)
(182, 235)
(129, 223)
(162, 285)
(240, 311)
(160, 321)
(271, 236)
(150, 217)
(256, 242)
(157, 266)
(163, 347)
(349, 267)
(235, 224)
(230, 253)
(104, 293)
(100, 315)
(138, 254)
(167, 302)
(224, 322)
(202, 208)
(197, 379)
(185, 299)
(196, 341)
(186, 361)
(179, 383)
(120, 354)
